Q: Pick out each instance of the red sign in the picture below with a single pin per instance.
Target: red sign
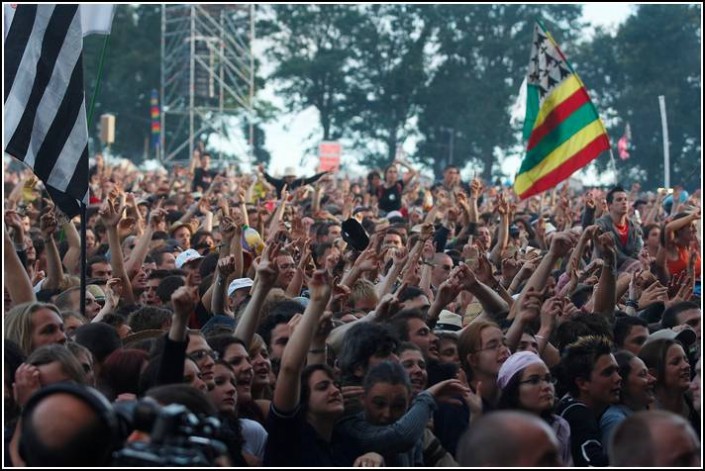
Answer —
(329, 156)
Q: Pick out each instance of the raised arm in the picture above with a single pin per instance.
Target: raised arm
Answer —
(16, 278)
(266, 276)
(139, 253)
(503, 236)
(287, 391)
(678, 224)
(606, 288)
(220, 282)
(410, 171)
(48, 226)
(110, 214)
(72, 257)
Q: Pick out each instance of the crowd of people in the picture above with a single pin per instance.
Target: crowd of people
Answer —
(329, 321)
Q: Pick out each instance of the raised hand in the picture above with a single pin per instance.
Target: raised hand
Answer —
(484, 271)
(226, 266)
(561, 244)
(320, 286)
(475, 188)
(426, 231)
(450, 288)
(655, 292)
(510, 268)
(14, 221)
(530, 304)
(267, 269)
(48, 224)
(126, 226)
(182, 300)
(399, 256)
(110, 212)
(156, 217)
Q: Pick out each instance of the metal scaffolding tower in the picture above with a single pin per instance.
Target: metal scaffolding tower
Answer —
(207, 73)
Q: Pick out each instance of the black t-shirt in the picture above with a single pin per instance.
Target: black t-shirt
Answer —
(389, 199)
(585, 437)
(202, 178)
(294, 442)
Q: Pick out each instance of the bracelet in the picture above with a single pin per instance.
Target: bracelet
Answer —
(317, 350)
(632, 303)
(539, 337)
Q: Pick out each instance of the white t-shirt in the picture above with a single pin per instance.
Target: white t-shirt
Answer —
(255, 437)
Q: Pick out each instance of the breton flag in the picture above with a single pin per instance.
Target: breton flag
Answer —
(563, 129)
(623, 143)
(45, 110)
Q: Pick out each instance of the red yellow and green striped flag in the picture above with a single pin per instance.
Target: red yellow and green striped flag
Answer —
(562, 127)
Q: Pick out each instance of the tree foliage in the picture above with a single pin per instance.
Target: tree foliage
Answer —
(655, 52)
(130, 72)
(485, 53)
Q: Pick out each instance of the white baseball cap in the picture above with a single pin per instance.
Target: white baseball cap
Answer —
(187, 256)
(239, 283)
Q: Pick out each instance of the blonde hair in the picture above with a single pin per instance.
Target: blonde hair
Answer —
(256, 344)
(19, 326)
(363, 289)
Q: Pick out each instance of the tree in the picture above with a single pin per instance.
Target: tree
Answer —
(483, 52)
(389, 76)
(131, 70)
(655, 52)
(311, 46)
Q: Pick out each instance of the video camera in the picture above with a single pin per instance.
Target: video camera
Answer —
(177, 436)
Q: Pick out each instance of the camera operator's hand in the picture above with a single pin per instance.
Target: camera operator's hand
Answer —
(369, 460)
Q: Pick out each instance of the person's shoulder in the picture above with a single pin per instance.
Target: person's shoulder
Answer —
(251, 425)
(568, 405)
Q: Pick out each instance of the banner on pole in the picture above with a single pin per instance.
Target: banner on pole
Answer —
(329, 153)
(156, 120)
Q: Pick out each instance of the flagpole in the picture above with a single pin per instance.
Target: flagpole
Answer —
(614, 167)
(91, 108)
(666, 156)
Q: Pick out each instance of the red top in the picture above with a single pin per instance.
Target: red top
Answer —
(680, 264)
(623, 232)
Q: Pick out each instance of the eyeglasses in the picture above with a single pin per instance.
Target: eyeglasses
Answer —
(494, 346)
(535, 380)
(199, 355)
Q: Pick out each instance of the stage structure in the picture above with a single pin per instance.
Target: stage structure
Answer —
(207, 73)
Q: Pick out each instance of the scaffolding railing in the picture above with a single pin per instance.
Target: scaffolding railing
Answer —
(207, 73)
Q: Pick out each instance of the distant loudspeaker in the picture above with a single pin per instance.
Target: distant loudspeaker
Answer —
(107, 128)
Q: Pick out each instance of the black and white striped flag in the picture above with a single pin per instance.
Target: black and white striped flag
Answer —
(45, 109)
